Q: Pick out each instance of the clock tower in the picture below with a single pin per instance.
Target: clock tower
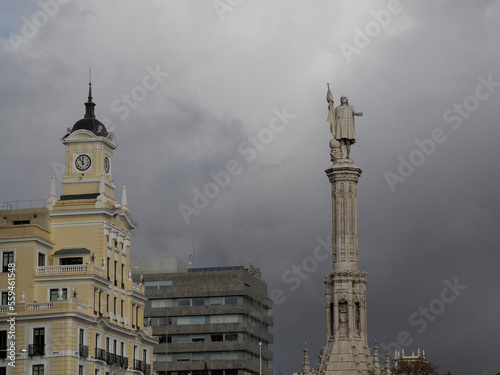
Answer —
(89, 155)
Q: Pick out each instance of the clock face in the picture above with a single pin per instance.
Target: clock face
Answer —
(83, 162)
(106, 164)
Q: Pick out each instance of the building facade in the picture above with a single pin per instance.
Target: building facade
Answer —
(69, 305)
(210, 321)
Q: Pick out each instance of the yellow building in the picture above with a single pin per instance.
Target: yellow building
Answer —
(69, 305)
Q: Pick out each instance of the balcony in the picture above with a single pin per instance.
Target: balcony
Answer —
(137, 365)
(110, 358)
(36, 349)
(100, 354)
(39, 306)
(83, 350)
(72, 268)
(142, 366)
(136, 287)
(121, 361)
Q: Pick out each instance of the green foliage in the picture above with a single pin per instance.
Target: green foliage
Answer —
(419, 366)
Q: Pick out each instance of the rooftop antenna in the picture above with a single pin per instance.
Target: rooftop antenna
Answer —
(89, 106)
(191, 258)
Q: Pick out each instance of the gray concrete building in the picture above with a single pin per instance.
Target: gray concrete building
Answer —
(209, 321)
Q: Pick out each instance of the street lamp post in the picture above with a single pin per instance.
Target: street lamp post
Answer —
(260, 357)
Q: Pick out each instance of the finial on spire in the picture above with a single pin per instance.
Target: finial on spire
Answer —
(89, 106)
(52, 200)
(124, 198)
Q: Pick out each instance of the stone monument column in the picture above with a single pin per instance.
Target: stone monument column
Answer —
(346, 351)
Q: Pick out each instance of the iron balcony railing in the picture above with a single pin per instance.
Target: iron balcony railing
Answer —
(83, 350)
(121, 361)
(110, 358)
(137, 365)
(100, 354)
(36, 349)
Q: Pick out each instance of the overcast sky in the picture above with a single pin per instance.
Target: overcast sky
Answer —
(233, 92)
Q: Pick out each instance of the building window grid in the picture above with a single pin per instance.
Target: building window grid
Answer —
(5, 298)
(38, 369)
(227, 300)
(7, 258)
(54, 294)
(41, 259)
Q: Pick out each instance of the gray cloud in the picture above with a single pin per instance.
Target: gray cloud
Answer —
(225, 80)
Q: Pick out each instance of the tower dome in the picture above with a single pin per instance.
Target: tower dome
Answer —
(89, 122)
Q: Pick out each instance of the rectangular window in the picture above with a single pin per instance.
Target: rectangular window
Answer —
(230, 355)
(218, 337)
(198, 301)
(3, 370)
(162, 339)
(54, 294)
(198, 320)
(162, 357)
(158, 303)
(183, 302)
(216, 355)
(183, 339)
(198, 357)
(165, 284)
(81, 337)
(183, 357)
(150, 285)
(39, 341)
(198, 338)
(160, 321)
(183, 320)
(8, 257)
(38, 370)
(214, 319)
(5, 298)
(70, 261)
(231, 337)
(216, 300)
(231, 300)
(3, 344)
(80, 370)
(230, 318)
(41, 260)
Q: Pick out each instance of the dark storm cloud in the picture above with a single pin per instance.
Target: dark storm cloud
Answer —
(221, 82)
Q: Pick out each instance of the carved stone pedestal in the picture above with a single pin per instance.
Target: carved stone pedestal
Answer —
(346, 351)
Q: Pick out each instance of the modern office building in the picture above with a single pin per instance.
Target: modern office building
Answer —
(210, 321)
(69, 305)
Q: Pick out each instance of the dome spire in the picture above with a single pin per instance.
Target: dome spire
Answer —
(89, 106)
